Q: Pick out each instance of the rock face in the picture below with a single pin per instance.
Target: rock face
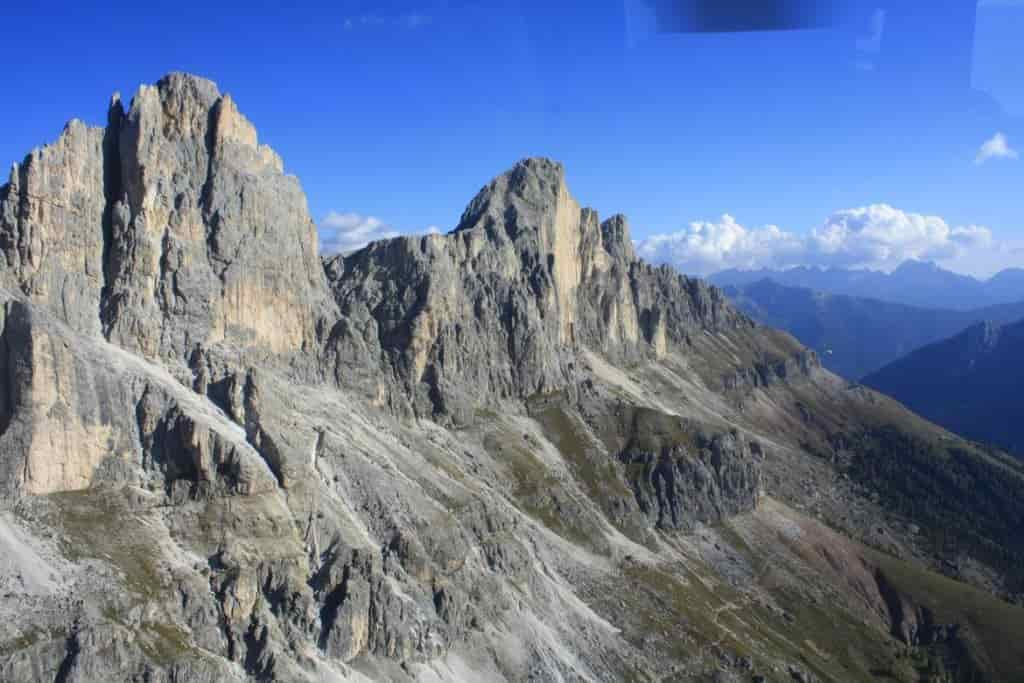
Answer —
(51, 213)
(170, 228)
(80, 413)
(501, 307)
(473, 456)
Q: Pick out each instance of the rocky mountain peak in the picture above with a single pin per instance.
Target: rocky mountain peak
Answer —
(167, 229)
(172, 231)
(504, 305)
(533, 199)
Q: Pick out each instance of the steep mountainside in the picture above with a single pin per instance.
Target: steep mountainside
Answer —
(914, 283)
(969, 383)
(855, 336)
(512, 452)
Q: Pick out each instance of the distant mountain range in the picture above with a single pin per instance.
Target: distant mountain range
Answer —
(914, 283)
(970, 383)
(855, 336)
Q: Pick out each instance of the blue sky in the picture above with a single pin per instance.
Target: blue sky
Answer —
(393, 115)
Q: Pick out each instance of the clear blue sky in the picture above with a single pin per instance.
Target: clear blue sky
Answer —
(403, 110)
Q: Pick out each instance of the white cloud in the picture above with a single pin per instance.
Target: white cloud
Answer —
(345, 232)
(882, 236)
(972, 236)
(705, 247)
(996, 147)
(341, 232)
(876, 236)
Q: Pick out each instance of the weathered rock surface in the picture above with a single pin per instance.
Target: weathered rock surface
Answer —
(496, 454)
(501, 307)
(169, 228)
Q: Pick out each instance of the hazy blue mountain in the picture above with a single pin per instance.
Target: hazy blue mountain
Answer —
(969, 383)
(914, 283)
(1006, 283)
(854, 335)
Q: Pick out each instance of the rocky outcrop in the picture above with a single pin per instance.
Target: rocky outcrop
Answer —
(64, 417)
(502, 306)
(766, 372)
(707, 482)
(52, 212)
(680, 473)
(79, 412)
(169, 228)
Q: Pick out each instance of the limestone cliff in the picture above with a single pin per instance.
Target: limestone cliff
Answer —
(171, 227)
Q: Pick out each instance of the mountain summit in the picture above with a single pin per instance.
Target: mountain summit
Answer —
(511, 452)
(170, 227)
(503, 305)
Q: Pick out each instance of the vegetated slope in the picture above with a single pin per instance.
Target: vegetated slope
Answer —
(511, 452)
(855, 336)
(914, 283)
(969, 383)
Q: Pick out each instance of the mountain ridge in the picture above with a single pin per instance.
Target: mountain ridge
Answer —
(856, 336)
(511, 452)
(966, 383)
(913, 283)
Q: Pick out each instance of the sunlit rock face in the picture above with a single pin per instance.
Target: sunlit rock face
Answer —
(171, 227)
(502, 306)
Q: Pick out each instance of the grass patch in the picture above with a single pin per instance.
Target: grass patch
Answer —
(597, 473)
(669, 603)
(164, 643)
(992, 626)
(539, 493)
(830, 641)
(824, 635)
(99, 524)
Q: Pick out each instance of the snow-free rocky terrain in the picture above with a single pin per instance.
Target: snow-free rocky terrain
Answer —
(510, 452)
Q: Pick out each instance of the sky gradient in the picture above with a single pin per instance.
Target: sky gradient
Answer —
(393, 115)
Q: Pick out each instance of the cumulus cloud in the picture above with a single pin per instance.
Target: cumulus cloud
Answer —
(705, 247)
(341, 232)
(996, 147)
(344, 232)
(882, 236)
(876, 236)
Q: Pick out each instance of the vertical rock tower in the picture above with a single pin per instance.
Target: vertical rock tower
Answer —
(171, 227)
